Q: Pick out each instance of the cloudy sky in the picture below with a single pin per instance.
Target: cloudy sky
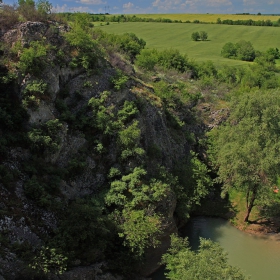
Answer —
(165, 6)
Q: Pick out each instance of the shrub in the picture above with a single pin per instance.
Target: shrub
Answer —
(242, 50)
(195, 36)
(147, 59)
(32, 59)
(49, 260)
(46, 138)
(203, 35)
(119, 80)
(245, 51)
(37, 87)
(229, 50)
(9, 16)
(86, 48)
(172, 59)
(140, 230)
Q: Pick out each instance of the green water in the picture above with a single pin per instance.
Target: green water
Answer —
(258, 257)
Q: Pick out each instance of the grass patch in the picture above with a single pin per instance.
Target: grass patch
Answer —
(238, 201)
(178, 36)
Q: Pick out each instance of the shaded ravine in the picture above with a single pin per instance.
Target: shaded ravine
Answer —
(257, 256)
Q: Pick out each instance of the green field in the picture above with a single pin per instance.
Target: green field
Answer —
(178, 36)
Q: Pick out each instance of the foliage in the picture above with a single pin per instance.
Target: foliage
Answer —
(168, 59)
(32, 59)
(46, 138)
(31, 11)
(119, 80)
(140, 230)
(195, 36)
(127, 43)
(9, 16)
(128, 111)
(84, 230)
(33, 92)
(49, 260)
(129, 140)
(147, 59)
(44, 7)
(203, 35)
(131, 44)
(209, 262)
(191, 185)
(229, 50)
(245, 149)
(85, 46)
(245, 51)
(242, 50)
(172, 59)
(134, 197)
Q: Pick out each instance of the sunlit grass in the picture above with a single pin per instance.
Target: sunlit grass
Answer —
(178, 36)
(238, 201)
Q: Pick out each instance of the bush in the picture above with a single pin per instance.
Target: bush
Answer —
(33, 92)
(203, 35)
(195, 36)
(9, 16)
(229, 50)
(32, 59)
(86, 48)
(242, 50)
(245, 51)
(147, 59)
(119, 80)
(46, 138)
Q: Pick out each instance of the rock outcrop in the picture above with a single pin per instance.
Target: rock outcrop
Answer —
(25, 223)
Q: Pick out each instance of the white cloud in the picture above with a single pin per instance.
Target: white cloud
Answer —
(91, 2)
(60, 9)
(209, 3)
(167, 5)
(249, 2)
(128, 5)
(218, 3)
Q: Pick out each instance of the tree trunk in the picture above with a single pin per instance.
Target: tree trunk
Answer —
(250, 204)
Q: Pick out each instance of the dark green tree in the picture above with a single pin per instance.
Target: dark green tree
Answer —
(203, 35)
(246, 148)
(245, 51)
(195, 36)
(229, 50)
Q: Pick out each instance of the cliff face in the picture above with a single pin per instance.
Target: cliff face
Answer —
(64, 132)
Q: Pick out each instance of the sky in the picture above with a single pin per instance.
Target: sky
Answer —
(165, 6)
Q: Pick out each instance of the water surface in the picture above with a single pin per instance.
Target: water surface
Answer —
(257, 256)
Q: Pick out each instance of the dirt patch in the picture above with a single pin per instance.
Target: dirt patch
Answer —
(267, 227)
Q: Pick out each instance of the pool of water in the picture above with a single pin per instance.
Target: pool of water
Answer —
(257, 256)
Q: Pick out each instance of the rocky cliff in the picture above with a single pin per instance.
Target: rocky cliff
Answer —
(76, 124)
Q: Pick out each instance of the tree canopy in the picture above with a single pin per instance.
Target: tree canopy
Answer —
(209, 262)
(246, 148)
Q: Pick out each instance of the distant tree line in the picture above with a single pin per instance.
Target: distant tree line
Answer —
(249, 22)
(119, 18)
(134, 18)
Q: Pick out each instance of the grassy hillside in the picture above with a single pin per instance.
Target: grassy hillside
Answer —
(209, 17)
(178, 36)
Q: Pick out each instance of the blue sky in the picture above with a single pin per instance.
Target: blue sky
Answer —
(165, 6)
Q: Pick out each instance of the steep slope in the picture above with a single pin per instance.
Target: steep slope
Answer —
(91, 159)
